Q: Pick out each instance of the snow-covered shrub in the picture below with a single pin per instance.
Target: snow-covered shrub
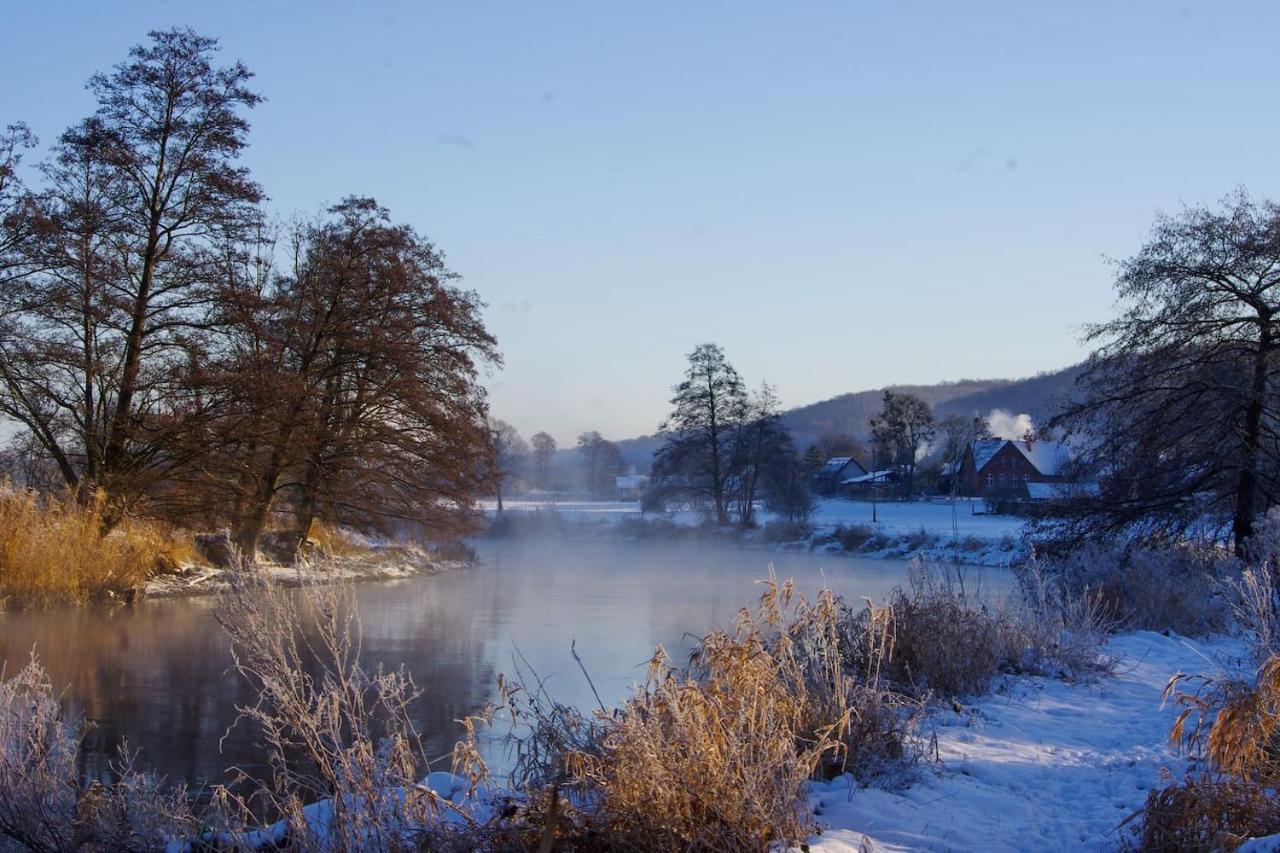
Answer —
(1181, 588)
(343, 754)
(44, 803)
(854, 536)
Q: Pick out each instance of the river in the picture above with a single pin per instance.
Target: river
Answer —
(157, 674)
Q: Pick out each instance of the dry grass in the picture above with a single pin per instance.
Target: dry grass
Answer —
(950, 638)
(1234, 729)
(715, 756)
(45, 804)
(52, 550)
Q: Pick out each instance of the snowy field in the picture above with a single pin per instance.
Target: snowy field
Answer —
(1040, 765)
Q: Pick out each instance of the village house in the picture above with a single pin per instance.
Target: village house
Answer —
(834, 472)
(1006, 467)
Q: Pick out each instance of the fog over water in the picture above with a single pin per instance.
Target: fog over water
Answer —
(158, 674)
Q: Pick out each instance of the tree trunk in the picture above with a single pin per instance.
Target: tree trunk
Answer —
(1247, 482)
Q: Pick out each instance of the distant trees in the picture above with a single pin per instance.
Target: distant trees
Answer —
(160, 345)
(835, 444)
(544, 452)
(601, 463)
(1178, 413)
(722, 445)
(904, 428)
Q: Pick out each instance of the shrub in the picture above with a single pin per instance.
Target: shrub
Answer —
(776, 532)
(1182, 589)
(1234, 727)
(948, 637)
(53, 550)
(46, 805)
(853, 537)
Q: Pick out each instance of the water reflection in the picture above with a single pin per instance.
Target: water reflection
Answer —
(158, 674)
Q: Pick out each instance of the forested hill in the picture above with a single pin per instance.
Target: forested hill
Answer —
(1038, 396)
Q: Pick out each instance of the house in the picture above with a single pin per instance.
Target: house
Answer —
(837, 469)
(866, 483)
(999, 466)
(629, 487)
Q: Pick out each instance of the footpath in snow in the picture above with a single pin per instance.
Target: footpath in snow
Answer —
(1039, 765)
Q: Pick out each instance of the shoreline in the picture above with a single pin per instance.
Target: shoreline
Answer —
(379, 564)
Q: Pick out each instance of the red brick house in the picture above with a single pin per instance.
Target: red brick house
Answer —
(1001, 466)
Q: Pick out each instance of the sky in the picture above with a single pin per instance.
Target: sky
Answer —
(842, 195)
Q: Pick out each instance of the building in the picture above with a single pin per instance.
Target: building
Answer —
(1002, 467)
(630, 487)
(837, 469)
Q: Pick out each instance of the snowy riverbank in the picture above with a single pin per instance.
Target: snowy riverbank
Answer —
(952, 530)
(1038, 765)
(374, 563)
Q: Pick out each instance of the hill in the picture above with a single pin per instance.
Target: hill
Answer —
(1038, 396)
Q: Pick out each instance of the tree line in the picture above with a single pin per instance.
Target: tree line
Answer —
(165, 345)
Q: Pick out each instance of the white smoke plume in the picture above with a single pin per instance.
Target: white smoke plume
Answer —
(1005, 424)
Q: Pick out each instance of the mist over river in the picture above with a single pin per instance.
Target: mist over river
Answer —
(158, 674)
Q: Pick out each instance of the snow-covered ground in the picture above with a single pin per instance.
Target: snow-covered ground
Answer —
(1041, 765)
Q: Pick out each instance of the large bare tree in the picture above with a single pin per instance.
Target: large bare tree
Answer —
(139, 197)
(1178, 411)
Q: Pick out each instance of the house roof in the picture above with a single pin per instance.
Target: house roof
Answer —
(836, 464)
(1047, 457)
(875, 477)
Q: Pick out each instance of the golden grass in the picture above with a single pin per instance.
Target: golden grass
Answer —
(715, 756)
(332, 542)
(52, 550)
(1235, 728)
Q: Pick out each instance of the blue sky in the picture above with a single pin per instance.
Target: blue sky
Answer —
(842, 195)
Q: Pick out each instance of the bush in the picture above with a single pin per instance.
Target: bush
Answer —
(1234, 728)
(776, 532)
(52, 550)
(45, 803)
(1180, 589)
(853, 537)
(949, 638)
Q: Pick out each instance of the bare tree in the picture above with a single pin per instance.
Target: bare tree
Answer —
(140, 195)
(510, 455)
(698, 437)
(1178, 410)
(544, 452)
(601, 463)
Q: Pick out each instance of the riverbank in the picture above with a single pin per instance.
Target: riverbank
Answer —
(953, 531)
(380, 562)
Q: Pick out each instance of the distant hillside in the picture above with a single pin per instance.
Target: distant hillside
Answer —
(1038, 396)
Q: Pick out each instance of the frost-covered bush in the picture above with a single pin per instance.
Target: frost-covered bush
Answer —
(1182, 589)
(949, 637)
(44, 803)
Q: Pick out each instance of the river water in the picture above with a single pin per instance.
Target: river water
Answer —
(157, 674)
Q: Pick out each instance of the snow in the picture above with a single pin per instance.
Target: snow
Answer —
(1039, 765)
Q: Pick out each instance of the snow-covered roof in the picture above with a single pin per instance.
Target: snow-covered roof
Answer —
(1058, 491)
(875, 476)
(984, 450)
(1047, 457)
(630, 481)
(836, 464)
